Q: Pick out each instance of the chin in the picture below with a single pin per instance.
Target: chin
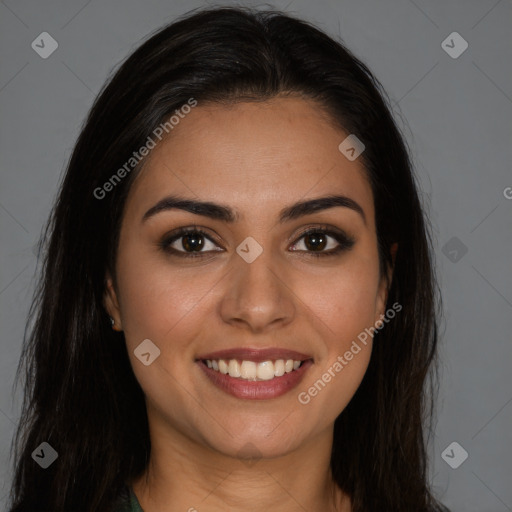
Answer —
(256, 442)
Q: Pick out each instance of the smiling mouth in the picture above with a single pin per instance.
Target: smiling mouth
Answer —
(252, 370)
(255, 373)
(248, 385)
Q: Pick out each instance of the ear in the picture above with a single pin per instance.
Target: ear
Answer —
(111, 302)
(385, 283)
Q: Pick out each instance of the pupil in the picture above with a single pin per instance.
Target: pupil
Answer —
(193, 242)
(317, 241)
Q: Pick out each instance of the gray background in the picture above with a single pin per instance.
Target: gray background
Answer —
(456, 114)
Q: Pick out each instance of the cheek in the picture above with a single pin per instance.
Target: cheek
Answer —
(345, 300)
(345, 306)
(162, 303)
(164, 307)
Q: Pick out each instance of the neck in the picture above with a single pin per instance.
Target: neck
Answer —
(186, 475)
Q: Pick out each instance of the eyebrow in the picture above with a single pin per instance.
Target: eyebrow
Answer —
(226, 214)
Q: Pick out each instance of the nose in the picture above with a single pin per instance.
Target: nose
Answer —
(258, 297)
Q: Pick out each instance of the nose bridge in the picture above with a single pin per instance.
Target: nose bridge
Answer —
(257, 295)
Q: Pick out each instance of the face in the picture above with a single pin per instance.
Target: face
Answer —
(256, 286)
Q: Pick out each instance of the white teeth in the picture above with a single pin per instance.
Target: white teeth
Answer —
(223, 366)
(279, 368)
(250, 370)
(234, 368)
(266, 370)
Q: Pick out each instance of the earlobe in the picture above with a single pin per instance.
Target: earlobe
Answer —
(393, 250)
(386, 281)
(383, 297)
(111, 304)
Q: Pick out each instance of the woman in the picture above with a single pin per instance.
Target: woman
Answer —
(238, 307)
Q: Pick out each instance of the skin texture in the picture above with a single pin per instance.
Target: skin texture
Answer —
(256, 158)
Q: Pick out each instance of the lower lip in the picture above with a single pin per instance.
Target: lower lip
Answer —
(256, 390)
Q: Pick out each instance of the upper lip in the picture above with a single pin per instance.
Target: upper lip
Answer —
(257, 355)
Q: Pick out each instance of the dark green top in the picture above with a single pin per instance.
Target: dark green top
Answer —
(128, 502)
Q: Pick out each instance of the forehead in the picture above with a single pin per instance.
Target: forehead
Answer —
(256, 156)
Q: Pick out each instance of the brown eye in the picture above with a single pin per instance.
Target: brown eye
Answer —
(188, 242)
(316, 240)
(193, 242)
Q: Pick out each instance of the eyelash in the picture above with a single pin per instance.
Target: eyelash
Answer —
(345, 242)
